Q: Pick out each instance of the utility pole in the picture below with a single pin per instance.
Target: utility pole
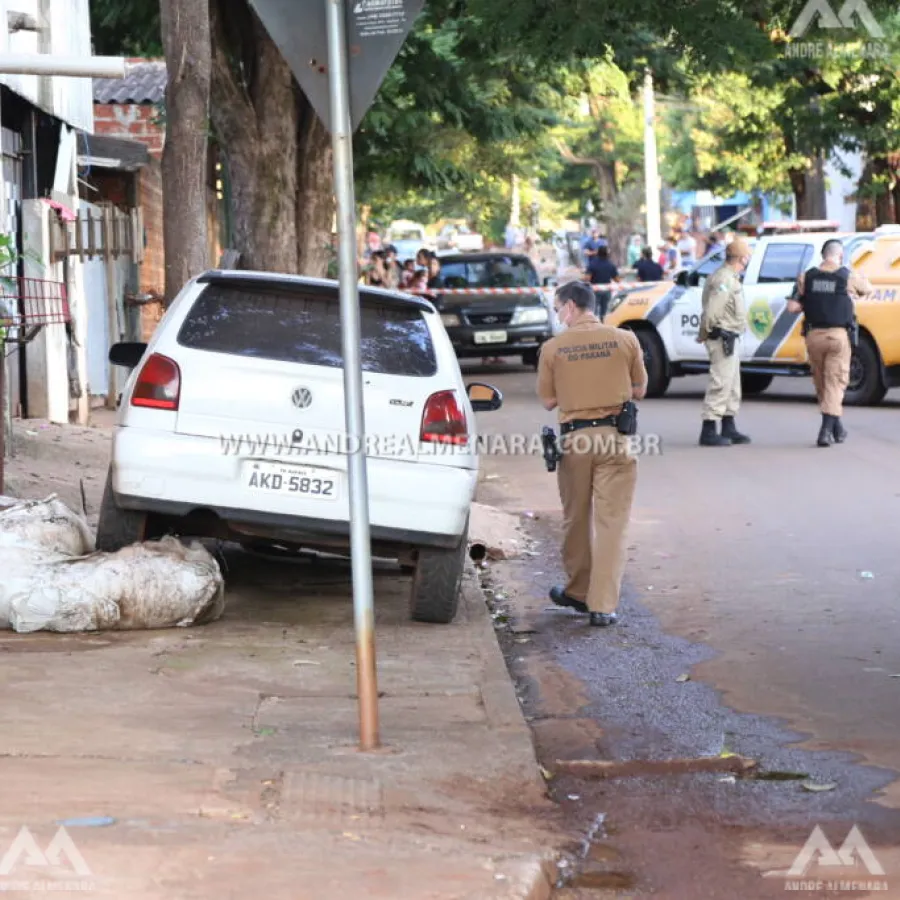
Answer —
(651, 165)
(354, 405)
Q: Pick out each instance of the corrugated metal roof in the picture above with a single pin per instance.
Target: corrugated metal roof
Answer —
(129, 156)
(144, 82)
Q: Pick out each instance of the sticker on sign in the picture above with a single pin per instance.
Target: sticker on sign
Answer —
(377, 18)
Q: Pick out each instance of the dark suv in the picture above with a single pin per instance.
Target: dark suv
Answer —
(504, 315)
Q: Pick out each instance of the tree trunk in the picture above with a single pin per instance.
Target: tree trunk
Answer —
(816, 204)
(186, 39)
(884, 201)
(865, 206)
(315, 194)
(254, 112)
(809, 190)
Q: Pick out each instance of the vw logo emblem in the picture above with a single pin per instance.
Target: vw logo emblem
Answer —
(301, 398)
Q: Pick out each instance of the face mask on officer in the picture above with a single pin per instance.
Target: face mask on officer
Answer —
(565, 312)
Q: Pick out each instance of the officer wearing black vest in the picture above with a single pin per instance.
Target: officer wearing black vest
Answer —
(825, 295)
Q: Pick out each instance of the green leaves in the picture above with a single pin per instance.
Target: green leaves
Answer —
(126, 27)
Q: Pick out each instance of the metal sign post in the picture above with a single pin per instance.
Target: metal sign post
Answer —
(339, 52)
(361, 549)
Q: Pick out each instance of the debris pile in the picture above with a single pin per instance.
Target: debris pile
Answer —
(54, 581)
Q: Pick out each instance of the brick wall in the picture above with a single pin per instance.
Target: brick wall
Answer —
(135, 122)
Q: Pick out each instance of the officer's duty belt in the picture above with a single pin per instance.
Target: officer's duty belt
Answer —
(578, 424)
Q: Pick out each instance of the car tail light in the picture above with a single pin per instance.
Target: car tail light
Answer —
(158, 385)
(444, 420)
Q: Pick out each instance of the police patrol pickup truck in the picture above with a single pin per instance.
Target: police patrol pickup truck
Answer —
(666, 316)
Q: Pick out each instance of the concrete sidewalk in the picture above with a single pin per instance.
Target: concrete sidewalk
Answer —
(226, 756)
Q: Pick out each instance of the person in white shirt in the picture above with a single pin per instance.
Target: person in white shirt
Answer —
(687, 249)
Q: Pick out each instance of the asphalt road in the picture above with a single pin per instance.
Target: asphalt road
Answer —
(769, 574)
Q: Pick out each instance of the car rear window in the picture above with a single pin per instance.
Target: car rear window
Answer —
(306, 329)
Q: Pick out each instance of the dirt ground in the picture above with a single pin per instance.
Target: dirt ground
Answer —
(66, 460)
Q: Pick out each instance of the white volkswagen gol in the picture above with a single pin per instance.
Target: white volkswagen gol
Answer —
(232, 426)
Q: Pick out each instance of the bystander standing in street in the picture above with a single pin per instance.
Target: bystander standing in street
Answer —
(647, 269)
(687, 248)
(391, 268)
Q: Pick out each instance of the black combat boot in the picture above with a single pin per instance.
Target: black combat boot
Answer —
(709, 437)
(826, 432)
(559, 596)
(730, 431)
(838, 430)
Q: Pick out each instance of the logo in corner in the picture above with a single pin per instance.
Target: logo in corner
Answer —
(25, 850)
(818, 849)
(760, 319)
(822, 11)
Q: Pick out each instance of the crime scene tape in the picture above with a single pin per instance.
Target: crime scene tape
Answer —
(597, 288)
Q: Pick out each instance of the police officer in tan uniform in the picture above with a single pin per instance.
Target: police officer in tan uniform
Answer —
(722, 322)
(825, 295)
(588, 373)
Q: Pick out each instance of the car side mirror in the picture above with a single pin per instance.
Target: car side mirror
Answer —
(484, 398)
(682, 279)
(127, 355)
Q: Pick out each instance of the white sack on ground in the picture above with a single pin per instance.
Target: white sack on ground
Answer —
(154, 585)
(19, 561)
(47, 524)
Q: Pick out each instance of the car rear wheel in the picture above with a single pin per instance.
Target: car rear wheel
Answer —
(754, 382)
(437, 582)
(118, 528)
(866, 386)
(654, 361)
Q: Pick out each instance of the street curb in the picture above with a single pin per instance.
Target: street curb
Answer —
(498, 695)
(534, 881)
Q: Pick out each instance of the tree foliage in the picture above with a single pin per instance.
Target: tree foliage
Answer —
(126, 27)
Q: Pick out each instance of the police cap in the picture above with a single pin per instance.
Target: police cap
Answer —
(737, 248)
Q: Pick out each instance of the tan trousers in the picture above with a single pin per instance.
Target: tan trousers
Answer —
(597, 479)
(829, 358)
(723, 395)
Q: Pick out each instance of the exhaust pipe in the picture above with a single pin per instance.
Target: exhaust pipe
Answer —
(477, 552)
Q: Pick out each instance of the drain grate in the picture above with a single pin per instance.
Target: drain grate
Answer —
(312, 795)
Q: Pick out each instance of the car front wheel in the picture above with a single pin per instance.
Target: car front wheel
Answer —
(437, 582)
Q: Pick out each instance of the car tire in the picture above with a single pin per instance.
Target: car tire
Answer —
(755, 382)
(530, 358)
(436, 584)
(654, 361)
(118, 528)
(866, 387)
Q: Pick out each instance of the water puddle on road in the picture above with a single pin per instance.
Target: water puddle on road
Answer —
(589, 869)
